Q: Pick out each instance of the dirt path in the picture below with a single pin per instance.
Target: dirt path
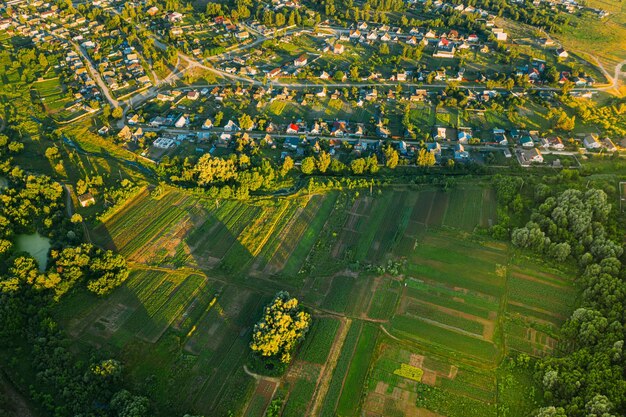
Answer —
(260, 377)
(323, 383)
(68, 200)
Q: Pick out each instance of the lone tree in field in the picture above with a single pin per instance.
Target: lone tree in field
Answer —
(282, 326)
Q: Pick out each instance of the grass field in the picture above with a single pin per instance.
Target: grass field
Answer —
(415, 312)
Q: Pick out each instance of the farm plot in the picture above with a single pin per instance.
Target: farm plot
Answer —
(470, 207)
(319, 340)
(141, 221)
(444, 258)
(354, 381)
(538, 303)
(302, 379)
(398, 375)
(52, 95)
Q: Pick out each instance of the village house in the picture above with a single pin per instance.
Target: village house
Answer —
(553, 142)
(181, 122)
(499, 137)
(231, 126)
(86, 200)
(499, 34)
(338, 49)
(460, 154)
(591, 142)
(530, 156)
(301, 61)
(208, 124)
(609, 145)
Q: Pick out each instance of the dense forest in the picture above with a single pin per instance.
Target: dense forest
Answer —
(586, 375)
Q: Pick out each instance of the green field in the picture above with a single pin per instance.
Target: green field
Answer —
(413, 308)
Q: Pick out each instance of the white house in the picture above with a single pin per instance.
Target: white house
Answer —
(181, 122)
(231, 126)
(591, 141)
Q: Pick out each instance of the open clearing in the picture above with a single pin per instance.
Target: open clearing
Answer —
(428, 340)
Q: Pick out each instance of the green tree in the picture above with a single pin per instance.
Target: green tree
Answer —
(282, 326)
(117, 113)
(323, 161)
(287, 166)
(358, 166)
(425, 158)
(391, 157)
(246, 122)
(308, 165)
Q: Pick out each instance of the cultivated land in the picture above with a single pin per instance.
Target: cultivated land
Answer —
(430, 339)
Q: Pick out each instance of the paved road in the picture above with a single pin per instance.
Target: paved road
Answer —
(96, 75)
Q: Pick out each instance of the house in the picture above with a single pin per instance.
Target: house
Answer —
(445, 49)
(242, 35)
(86, 200)
(324, 76)
(338, 49)
(591, 141)
(181, 122)
(526, 141)
(293, 128)
(339, 129)
(530, 156)
(174, 17)
(208, 124)
(291, 143)
(434, 148)
(133, 120)
(412, 40)
(401, 76)
(382, 131)
(193, 95)
(231, 126)
(164, 143)
(355, 34)
(561, 53)
(499, 34)
(274, 73)
(103, 130)
(360, 146)
(440, 133)
(464, 137)
(152, 11)
(125, 133)
(553, 142)
(609, 145)
(460, 154)
(301, 61)
(500, 137)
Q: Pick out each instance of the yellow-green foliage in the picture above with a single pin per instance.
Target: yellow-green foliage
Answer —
(410, 372)
(282, 326)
